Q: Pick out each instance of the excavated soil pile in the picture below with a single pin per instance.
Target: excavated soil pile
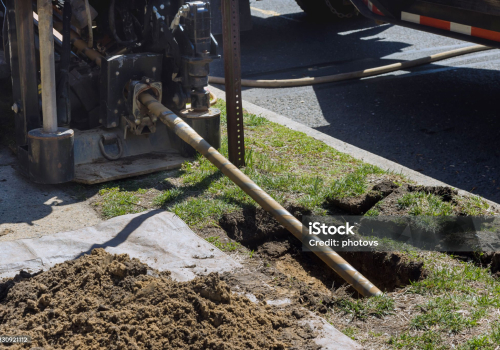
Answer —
(114, 302)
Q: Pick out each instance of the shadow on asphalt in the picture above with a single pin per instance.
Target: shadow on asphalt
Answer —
(440, 120)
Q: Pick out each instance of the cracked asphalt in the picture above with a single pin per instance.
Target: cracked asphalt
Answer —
(440, 119)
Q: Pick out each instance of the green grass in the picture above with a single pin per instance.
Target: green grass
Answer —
(167, 197)
(374, 211)
(378, 306)
(350, 332)
(425, 204)
(225, 247)
(489, 341)
(428, 341)
(293, 168)
(118, 202)
(354, 183)
(459, 295)
(428, 204)
(290, 166)
(473, 205)
(431, 340)
(198, 212)
(447, 313)
(462, 277)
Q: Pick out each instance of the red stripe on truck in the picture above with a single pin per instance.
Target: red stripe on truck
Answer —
(436, 23)
(485, 34)
(451, 26)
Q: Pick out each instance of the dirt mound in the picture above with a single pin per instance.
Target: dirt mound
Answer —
(114, 302)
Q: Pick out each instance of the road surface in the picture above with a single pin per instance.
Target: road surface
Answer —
(441, 119)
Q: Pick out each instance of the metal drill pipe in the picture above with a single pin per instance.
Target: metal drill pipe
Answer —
(47, 66)
(186, 133)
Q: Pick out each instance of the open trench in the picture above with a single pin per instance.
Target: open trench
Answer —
(282, 258)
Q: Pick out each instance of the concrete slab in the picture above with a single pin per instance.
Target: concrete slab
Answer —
(329, 337)
(29, 210)
(6, 156)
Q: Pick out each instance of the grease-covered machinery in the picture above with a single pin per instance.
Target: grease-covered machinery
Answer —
(90, 125)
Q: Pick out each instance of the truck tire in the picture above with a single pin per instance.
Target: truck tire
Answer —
(327, 9)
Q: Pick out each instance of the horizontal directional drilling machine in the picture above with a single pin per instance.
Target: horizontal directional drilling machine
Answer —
(78, 69)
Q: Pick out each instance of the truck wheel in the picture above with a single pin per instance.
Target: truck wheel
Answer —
(328, 9)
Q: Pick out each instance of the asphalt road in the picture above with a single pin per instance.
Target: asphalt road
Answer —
(441, 119)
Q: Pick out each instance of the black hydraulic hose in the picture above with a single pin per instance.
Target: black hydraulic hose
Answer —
(146, 29)
(63, 101)
(112, 26)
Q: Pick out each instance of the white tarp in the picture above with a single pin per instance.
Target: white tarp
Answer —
(158, 238)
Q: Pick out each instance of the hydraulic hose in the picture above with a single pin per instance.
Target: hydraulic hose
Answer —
(186, 133)
(354, 75)
(112, 26)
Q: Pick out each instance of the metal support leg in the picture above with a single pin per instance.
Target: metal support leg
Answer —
(232, 69)
(47, 66)
(51, 157)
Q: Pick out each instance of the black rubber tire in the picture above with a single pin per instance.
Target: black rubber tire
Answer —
(320, 9)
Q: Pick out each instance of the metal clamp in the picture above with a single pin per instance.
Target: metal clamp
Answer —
(109, 139)
(137, 87)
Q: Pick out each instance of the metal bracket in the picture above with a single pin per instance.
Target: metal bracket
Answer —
(140, 120)
(116, 73)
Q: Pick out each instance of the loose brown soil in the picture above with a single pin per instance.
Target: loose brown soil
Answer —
(114, 302)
